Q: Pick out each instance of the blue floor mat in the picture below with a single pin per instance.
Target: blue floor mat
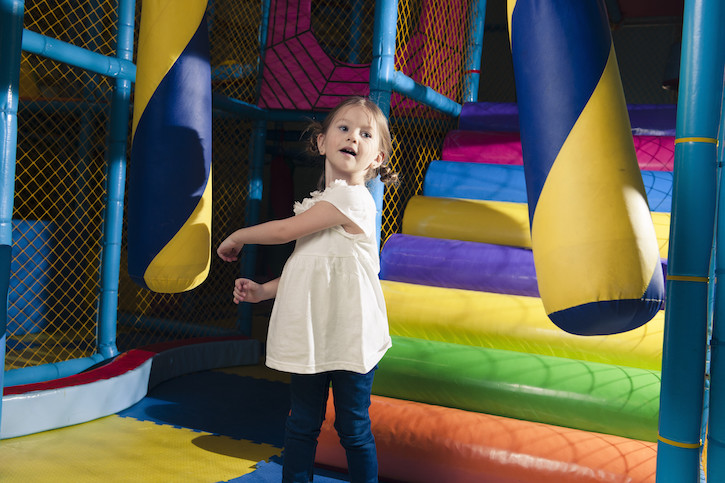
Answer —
(219, 403)
(272, 473)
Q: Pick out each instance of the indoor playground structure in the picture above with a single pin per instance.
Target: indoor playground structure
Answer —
(549, 258)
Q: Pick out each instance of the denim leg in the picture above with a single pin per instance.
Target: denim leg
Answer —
(308, 404)
(351, 393)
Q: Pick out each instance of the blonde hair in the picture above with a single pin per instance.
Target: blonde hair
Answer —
(387, 175)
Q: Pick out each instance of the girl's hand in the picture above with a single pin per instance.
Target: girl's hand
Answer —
(246, 290)
(229, 250)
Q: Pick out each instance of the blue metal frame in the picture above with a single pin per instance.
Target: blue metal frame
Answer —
(115, 185)
(382, 67)
(384, 79)
(474, 53)
(11, 31)
(716, 391)
(11, 20)
(256, 169)
(251, 217)
(90, 92)
(716, 417)
(691, 238)
(66, 53)
(382, 70)
(5, 256)
(356, 21)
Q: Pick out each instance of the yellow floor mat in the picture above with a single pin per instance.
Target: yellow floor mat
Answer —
(116, 449)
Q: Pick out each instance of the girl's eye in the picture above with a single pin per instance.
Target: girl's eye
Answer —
(367, 134)
(343, 128)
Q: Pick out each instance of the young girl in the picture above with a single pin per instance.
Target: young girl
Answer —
(329, 324)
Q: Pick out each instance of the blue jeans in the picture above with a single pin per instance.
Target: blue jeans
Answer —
(351, 395)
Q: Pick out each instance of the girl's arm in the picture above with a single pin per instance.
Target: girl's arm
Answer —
(320, 216)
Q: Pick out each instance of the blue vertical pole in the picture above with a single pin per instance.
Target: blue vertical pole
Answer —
(382, 71)
(5, 256)
(472, 74)
(382, 68)
(256, 168)
(251, 216)
(262, 39)
(91, 93)
(11, 33)
(691, 236)
(356, 14)
(716, 421)
(115, 184)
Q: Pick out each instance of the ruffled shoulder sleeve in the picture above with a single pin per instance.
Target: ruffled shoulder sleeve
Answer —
(306, 204)
(355, 202)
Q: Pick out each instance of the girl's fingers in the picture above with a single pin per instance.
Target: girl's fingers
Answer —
(240, 290)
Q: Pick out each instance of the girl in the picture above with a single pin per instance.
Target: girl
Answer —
(329, 324)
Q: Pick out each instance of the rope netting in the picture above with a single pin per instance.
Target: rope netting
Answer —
(431, 46)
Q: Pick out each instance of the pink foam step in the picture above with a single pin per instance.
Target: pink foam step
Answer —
(654, 153)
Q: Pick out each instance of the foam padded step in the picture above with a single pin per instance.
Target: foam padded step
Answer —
(654, 153)
(499, 182)
(645, 119)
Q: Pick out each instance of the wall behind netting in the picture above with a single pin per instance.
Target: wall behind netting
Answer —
(642, 47)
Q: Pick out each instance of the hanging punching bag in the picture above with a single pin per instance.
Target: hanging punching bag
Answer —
(169, 188)
(595, 249)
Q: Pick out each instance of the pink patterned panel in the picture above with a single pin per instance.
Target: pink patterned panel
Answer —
(298, 74)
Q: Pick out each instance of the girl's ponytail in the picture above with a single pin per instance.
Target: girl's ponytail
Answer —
(387, 175)
(314, 129)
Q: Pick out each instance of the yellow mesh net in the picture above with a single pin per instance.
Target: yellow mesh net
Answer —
(440, 31)
(59, 190)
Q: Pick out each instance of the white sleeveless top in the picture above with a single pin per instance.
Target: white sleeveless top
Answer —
(329, 313)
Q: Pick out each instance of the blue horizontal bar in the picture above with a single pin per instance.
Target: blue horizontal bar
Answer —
(232, 71)
(172, 327)
(66, 53)
(234, 106)
(47, 372)
(423, 94)
(243, 109)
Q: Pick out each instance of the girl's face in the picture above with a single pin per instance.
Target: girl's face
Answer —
(351, 146)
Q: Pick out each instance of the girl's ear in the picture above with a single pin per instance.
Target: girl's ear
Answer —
(321, 144)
